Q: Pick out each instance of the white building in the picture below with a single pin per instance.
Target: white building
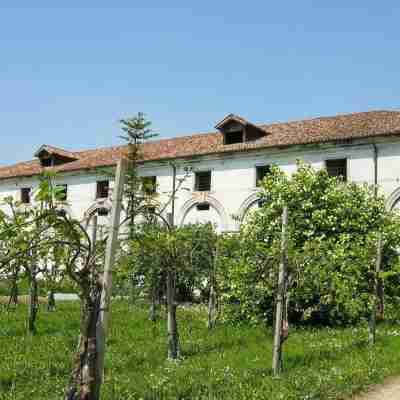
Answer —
(226, 164)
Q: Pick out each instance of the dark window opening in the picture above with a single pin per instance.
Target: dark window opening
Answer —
(102, 212)
(25, 195)
(203, 181)
(337, 168)
(151, 210)
(61, 213)
(62, 192)
(234, 137)
(149, 184)
(203, 207)
(102, 189)
(46, 162)
(261, 173)
(261, 203)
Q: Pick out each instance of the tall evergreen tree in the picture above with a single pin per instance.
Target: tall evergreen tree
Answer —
(137, 130)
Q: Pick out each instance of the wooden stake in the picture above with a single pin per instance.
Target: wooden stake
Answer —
(104, 315)
(280, 301)
(375, 292)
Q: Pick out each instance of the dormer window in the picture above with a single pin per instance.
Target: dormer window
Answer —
(46, 162)
(234, 137)
(238, 130)
(50, 156)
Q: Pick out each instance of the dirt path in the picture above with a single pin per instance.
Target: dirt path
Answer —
(390, 390)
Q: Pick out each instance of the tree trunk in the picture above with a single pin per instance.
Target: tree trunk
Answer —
(381, 299)
(173, 337)
(153, 303)
(33, 304)
(13, 300)
(51, 301)
(85, 380)
(280, 329)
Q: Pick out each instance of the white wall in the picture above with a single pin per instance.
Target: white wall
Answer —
(233, 187)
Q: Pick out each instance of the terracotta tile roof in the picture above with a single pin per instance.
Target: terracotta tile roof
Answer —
(318, 130)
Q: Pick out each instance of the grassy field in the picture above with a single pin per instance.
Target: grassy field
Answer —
(229, 363)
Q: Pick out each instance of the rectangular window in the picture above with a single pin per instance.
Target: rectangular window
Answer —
(102, 212)
(337, 168)
(151, 210)
(63, 192)
(234, 137)
(149, 184)
(203, 181)
(102, 189)
(46, 162)
(261, 172)
(25, 195)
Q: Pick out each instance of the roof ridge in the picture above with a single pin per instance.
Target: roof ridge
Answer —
(262, 125)
(357, 125)
(324, 117)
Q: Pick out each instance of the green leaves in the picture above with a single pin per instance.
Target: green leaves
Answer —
(333, 229)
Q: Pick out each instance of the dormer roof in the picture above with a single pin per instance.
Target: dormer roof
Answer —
(236, 119)
(236, 129)
(45, 151)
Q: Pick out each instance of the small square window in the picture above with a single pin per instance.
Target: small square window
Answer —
(63, 192)
(234, 137)
(151, 210)
(337, 168)
(102, 212)
(149, 184)
(26, 195)
(203, 181)
(46, 162)
(203, 207)
(102, 189)
(261, 172)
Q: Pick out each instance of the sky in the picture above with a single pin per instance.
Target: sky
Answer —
(69, 73)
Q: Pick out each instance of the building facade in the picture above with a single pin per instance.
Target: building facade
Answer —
(221, 170)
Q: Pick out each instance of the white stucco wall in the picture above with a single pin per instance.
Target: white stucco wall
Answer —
(233, 185)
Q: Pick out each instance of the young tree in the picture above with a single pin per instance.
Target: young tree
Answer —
(24, 249)
(332, 230)
(48, 229)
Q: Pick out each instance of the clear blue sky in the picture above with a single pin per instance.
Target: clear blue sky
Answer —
(69, 73)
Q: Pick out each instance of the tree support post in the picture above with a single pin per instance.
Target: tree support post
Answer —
(280, 301)
(212, 299)
(112, 242)
(375, 291)
(173, 334)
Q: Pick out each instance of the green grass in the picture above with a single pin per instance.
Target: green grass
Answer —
(229, 363)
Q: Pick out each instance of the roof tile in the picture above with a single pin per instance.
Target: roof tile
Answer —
(318, 130)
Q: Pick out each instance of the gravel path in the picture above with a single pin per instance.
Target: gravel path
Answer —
(390, 390)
